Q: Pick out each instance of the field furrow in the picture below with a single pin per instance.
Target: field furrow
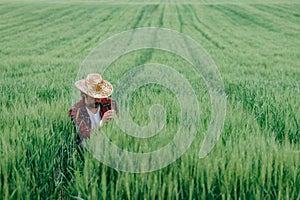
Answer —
(212, 31)
(64, 25)
(32, 20)
(161, 17)
(169, 21)
(180, 20)
(283, 16)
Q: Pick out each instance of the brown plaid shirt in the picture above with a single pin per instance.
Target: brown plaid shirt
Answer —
(80, 117)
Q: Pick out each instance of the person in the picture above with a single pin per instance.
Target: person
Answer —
(95, 108)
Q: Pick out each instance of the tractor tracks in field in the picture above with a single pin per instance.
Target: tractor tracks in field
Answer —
(204, 34)
(35, 23)
(65, 21)
(193, 20)
(228, 23)
(161, 18)
(151, 10)
(92, 34)
(139, 18)
(258, 24)
(287, 17)
(243, 18)
(181, 23)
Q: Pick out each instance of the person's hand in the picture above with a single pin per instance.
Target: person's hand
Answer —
(107, 116)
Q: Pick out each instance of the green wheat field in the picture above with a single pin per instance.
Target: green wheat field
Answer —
(254, 44)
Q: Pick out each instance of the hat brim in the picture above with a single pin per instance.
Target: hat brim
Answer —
(106, 89)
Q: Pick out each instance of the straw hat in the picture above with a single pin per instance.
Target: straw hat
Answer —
(95, 86)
